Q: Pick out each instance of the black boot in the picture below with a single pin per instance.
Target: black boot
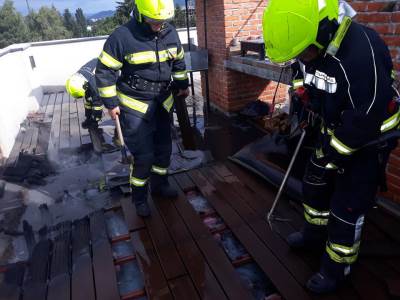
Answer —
(89, 123)
(139, 198)
(161, 187)
(321, 283)
(310, 237)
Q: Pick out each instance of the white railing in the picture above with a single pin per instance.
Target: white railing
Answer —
(27, 71)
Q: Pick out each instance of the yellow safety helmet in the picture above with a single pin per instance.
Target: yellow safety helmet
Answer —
(75, 85)
(290, 26)
(158, 10)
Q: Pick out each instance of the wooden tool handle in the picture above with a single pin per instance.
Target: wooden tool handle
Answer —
(119, 131)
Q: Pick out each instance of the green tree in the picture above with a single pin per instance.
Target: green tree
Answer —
(46, 24)
(105, 26)
(81, 23)
(12, 27)
(124, 11)
(70, 22)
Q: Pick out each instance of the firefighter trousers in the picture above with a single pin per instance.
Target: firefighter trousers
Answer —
(336, 202)
(149, 141)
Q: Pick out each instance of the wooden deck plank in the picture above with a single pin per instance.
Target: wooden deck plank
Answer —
(105, 276)
(133, 221)
(35, 285)
(231, 188)
(184, 182)
(155, 282)
(56, 124)
(199, 270)
(279, 275)
(386, 222)
(74, 131)
(217, 259)
(10, 286)
(85, 137)
(12, 158)
(182, 288)
(59, 286)
(64, 130)
(45, 126)
(165, 248)
(349, 291)
(82, 285)
(38, 123)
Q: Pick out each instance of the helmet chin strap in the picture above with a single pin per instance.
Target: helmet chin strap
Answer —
(326, 31)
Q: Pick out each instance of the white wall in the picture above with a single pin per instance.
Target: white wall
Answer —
(22, 87)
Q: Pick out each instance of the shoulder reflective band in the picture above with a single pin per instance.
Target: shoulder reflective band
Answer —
(334, 46)
(340, 147)
(133, 103)
(181, 75)
(391, 123)
(297, 83)
(108, 91)
(137, 181)
(110, 61)
(159, 170)
(181, 54)
(168, 103)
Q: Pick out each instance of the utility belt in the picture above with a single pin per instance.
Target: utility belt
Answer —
(138, 83)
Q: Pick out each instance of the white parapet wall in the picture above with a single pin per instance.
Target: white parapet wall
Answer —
(27, 71)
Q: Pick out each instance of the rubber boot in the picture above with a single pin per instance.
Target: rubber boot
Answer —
(139, 198)
(160, 187)
(89, 123)
(310, 237)
(321, 283)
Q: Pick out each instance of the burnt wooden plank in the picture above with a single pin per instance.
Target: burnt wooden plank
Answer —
(35, 285)
(155, 282)
(10, 286)
(133, 221)
(85, 137)
(184, 182)
(279, 275)
(59, 286)
(56, 123)
(215, 256)
(74, 132)
(182, 288)
(82, 284)
(64, 130)
(29, 129)
(38, 123)
(197, 266)
(163, 243)
(105, 276)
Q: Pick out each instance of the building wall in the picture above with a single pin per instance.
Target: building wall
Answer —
(228, 22)
(384, 17)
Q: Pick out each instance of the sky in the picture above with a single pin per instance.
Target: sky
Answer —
(88, 6)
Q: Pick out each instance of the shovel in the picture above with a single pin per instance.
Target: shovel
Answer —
(124, 153)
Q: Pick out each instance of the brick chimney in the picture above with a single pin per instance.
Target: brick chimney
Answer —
(228, 22)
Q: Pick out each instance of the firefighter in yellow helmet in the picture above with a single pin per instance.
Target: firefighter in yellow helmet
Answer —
(82, 84)
(149, 56)
(346, 70)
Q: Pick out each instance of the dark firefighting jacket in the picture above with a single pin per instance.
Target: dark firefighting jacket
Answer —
(92, 98)
(352, 86)
(140, 55)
